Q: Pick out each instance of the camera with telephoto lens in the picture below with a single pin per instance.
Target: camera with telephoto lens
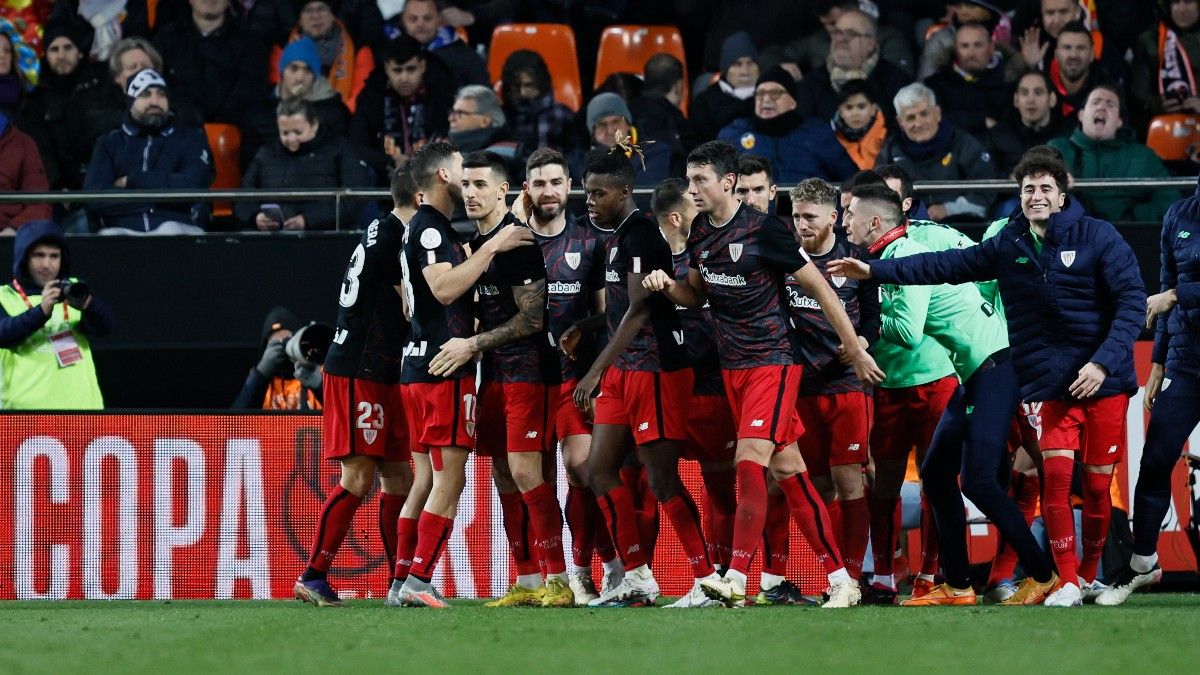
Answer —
(74, 291)
(309, 345)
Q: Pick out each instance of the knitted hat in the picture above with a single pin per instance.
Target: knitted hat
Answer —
(735, 47)
(304, 50)
(74, 28)
(143, 80)
(604, 105)
(779, 76)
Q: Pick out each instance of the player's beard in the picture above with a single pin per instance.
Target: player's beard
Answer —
(548, 212)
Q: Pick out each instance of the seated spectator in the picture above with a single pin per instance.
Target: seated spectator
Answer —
(1032, 119)
(14, 86)
(608, 121)
(535, 119)
(477, 122)
(853, 55)
(401, 107)
(732, 96)
(858, 124)
(111, 20)
(755, 187)
(303, 157)
(213, 64)
(272, 384)
(939, 46)
(44, 328)
(1162, 79)
(272, 20)
(422, 21)
(778, 132)
(1075, 71)
(972, 88)
(626, 85)
(21, 170)
(808, 53)
(299, 78)
(345, 63)
(1103, 147)
(930, 149)
(656, 112)
(122, 160)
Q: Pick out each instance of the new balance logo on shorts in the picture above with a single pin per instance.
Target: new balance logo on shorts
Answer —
(854, 447)
(756, 423)
(643, 426)
(530, 434)
(1112, 449)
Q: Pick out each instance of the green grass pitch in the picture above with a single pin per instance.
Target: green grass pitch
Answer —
(1152, 633)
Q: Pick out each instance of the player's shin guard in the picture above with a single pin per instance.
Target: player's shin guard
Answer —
(389, 518)
(1056, 511)
(930, 545)
(776, 540)
(810, 515)
(856, 521)
(332, 526)
(617, 505)
(685, 518)
(433, 533)
(751, 514)
(406, 547)
(581, 521)
(721, 505)
(547, 529)
(1097, 513)
(517, 526)
(883, 534)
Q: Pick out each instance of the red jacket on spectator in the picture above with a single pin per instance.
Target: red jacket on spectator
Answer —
(21, 170)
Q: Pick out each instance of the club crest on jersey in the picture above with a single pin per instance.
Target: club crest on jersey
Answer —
(735, 251)
(431, 238)
(572, 258)
(1067, 257)
(369, 435)
(612, 255)
(838, 282)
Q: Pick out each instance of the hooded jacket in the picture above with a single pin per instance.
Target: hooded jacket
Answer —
(370, 125)
(1177, 334)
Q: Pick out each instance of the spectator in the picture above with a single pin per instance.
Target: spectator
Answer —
(1032, 119)
(972, 87)
(213, 65)
(38, 338)
(123, 160)
(422, 21)
(272, 383)
(13, 84)
(21, 170)
(299, 78)
(111, 20)
(1075, 71)
(732, 96)
(755, 187)
(1162, 79)
(858, 124)
(809, 53)
(656, 112)
(1038, 41)
(343, 61)
(534, 117)
(608, 120)
(477, 122)
(1102, 147)
(778, 133)
(478, 17)
(768, 22)
(272, 20)
(929, 148)
(402, 107)
(853, 55)
(939, 47)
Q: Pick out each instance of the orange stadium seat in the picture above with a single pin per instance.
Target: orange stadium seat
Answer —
(1174, 137)
(556, 44)
(626, 49)
(225, 141)
(151, 12)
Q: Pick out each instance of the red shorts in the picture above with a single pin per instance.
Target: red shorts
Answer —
(361, 417)
(837, 428)
(568, 418)
(906, 417)
(763, 401)
(1026, 428)
(441, 414)
(712, 436)
(1094, 428)
(513, 417)
(653, 405)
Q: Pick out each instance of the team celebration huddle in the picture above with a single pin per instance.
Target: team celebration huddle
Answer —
(801, 360)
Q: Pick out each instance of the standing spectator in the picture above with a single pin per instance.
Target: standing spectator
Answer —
(972, 87)
(534, 117)
(1162, 79)
(111, 20)
(422, 21)
(853, 55)
(808, 53)
(149, 152)
(1037, 39)
(1032, 119)
(858, 124)
(13, 85)
(304, 157)
(609, 120)
(345, 62)
(402, 107)
(212, 63)
(732, 96)
(656, 112)
(929, 148)
(477, 122)
(1103, 147)
(20, 171)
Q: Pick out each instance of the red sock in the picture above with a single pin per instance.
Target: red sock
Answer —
(834, 509)
(720, 506)
(332, 526)
(617, 506)
(776, 535)
(930, 546)
(604, 542)
(389, 517)
(883, 533)
(1024, 490)
(581, 522)
(685, 518)
(646, 507)
(1097, 512)
(406, 546)
(809, 513)
(547, 529)
(1056, 511)
(517, 529)
(856, 521)
(433, 533)
(751, 514)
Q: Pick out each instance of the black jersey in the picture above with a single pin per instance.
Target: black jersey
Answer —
(574, 272)
(698, 339)
(430, 240)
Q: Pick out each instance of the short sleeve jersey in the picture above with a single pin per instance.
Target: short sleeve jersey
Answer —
(742, 264)
(638, 247)
(428, 241)
(574, 272)
(815, 343)
(531, 358)
(369, 337)
(698, 339)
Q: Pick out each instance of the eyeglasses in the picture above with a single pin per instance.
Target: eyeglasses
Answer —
(773, 94)
(455, 113)
(849, 34)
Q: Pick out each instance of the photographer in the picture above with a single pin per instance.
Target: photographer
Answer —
(48, 317)
(280, 381)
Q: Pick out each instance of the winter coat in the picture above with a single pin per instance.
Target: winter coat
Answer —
(262, 127)
(48, 117)
(21, 170)
(368, 127)
(1120, 157)
(964, 159)
(220, 74)
(817, 98)
(809, 150)
(1010, 138)
(968, 100)
(714, 109)
(1177, 334)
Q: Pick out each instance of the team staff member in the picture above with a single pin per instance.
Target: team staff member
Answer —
(1075, 304)
(363, 419)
